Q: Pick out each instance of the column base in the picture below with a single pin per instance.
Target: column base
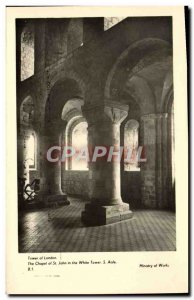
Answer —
(96, 215)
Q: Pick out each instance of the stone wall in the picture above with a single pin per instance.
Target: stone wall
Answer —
(55, 39)
(75, 183)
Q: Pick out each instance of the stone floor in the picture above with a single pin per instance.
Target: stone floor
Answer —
(148, 230)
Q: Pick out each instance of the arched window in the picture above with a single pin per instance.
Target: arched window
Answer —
(110, 22)
(31, 151)
(27, 52)
(131, 137)
(79, 142)
(27, 112)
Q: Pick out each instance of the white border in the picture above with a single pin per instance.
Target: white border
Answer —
(2, 56)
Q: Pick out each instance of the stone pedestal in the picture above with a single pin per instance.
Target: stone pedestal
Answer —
(102, 215)
(105, 191)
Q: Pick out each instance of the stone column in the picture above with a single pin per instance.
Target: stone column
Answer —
(50, 172)
(161, 160)
(170, 162)
(106, 205)
(148, 169)
(153, 172)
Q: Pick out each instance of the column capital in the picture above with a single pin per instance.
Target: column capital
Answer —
(109, 111)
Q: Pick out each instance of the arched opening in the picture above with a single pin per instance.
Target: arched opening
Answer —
(27, 113)
(74, 171)
(27, 144)
(130, 166)
(30, 166)
(131, 143)
(72, 114)
(62, 92)
(79, 142)
(63, 108)
(31, 146)
(27, 52)
(138, 76)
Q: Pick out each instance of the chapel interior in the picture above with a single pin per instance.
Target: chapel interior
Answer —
(89, 82)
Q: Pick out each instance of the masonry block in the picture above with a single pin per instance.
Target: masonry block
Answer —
(95, 215)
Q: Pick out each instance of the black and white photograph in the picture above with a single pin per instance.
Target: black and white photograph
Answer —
(97, 199)
(95, 134)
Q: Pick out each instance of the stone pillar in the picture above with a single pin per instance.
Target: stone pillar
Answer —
(106, 205)
(50, 172)
(148, 169)
(154, 171)
(170, 162)
(161, 160)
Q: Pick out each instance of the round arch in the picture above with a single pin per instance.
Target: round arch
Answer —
(138, 72)
(132, 55)
(27, 112)
(63, 90)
